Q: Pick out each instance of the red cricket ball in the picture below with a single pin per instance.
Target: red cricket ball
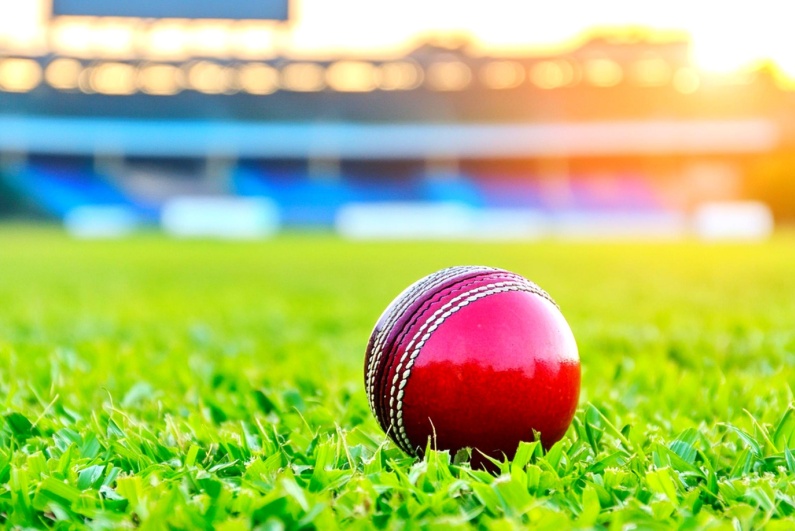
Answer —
(472, 357)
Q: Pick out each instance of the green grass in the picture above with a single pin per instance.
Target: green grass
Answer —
(151, 383)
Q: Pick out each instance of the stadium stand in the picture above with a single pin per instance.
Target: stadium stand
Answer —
(315, 136)
(511, 193)
(302, 202)
(58, 186)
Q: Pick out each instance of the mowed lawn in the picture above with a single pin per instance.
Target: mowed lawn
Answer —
(152, 383)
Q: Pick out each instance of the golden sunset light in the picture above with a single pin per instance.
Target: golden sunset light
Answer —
(206, 205)
(725, 36)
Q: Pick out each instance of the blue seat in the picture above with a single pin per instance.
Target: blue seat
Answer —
(455, 189)
(59, 188)
(622, 193)
(301, 201)
(510, 193)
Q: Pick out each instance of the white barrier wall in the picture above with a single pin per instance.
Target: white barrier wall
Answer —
(101, 222)
(437, 221)
(660, 225)
(738, 220)
(745, 221)
(220, 217)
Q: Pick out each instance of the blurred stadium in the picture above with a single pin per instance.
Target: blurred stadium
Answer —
(217, 127)
(152, 383)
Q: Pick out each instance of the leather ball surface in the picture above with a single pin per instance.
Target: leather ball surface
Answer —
(472, 357)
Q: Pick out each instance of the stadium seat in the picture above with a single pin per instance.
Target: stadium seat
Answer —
(59, 187)
(499, 192)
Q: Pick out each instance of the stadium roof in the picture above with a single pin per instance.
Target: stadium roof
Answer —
(85, 136)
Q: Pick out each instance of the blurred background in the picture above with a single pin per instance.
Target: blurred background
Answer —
(398, 120)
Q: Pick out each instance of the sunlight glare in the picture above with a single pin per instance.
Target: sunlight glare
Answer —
(726, 36)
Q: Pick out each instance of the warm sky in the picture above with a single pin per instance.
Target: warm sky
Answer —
(726, 34)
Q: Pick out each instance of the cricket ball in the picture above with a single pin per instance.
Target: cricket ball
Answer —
(472, 357)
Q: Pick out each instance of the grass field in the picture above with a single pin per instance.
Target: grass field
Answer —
(151, 383)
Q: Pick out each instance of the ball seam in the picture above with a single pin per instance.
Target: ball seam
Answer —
(460, 282)
(412, 296)
(384, 398)
(436, 320)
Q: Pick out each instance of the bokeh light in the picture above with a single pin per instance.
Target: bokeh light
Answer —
(503, 74)
(603, 72)
(552, 74)
(19, 74)
(168, 38)
(160, 79)
(400, 75)
(448, 75)
(352, 76)
(259, 79)
(303, 77)
(117, 79)
(210, 78)
(63, 73)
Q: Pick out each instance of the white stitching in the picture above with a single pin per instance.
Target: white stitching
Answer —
(418, 288)
(441, 315)
(408, 298)
(432, 322)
